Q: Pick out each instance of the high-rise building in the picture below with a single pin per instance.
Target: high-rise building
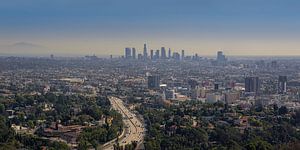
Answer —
(176, 56)
(252, 84)
(133, 53)
(127, 53)
(156, 54)
(151, 54)
(145, 54)
(221, 57)
(163, 53)
(154, 82)
(196, 57)
(182, 55)
(216, 86)
(170, 94)
(169, 53)
(282, 81)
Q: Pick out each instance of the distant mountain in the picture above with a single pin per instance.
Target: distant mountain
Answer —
(23, 48)
(26, 45)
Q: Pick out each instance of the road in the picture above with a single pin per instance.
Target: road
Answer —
(134, 128)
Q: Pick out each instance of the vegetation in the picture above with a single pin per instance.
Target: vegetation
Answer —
(10, 140)
(40, 111)
(92, 137)
(193, 125)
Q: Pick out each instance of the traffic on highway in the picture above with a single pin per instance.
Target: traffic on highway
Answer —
(134, 130)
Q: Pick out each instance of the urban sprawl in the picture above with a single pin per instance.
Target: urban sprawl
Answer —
(159, 99)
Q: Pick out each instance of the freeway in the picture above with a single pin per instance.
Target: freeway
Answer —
(134, 128)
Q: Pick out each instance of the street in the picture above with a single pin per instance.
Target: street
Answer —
(134, 128)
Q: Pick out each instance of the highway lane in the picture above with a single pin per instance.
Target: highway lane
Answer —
(134, 128)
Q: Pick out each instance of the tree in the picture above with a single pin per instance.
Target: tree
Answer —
(83, 144)
(283, 110)
(6, 133)
(291, 146)
(275, 107)
(59, 145)
(258, 144)
(2, 108)
(30, 124)
(152, 145)
(296, 117)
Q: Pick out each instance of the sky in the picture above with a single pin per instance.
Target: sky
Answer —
(104, 27)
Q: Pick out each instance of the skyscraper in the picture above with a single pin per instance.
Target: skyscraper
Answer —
(151, 54)
(221, 57)
(133, 53)
(153, 82)
(156, 54)
(169, 53)
(182, 55)
(170, 94)
(216, 86)
(145, 54)
(127, 53)
(176, 56)
(282, 81)
(252, 84)
(163, 53)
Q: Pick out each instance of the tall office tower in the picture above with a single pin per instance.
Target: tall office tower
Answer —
(282, 80)
(170, 94)
(154, 82)
(169, 53)
(156, 54)
(163, 53)
(145, 51)
(182, 55)
(221, 57)
(127, 53)
(151, 54)
(133, 53)
(252, 84)
(176, 56)
(196, 57)
(216, 86)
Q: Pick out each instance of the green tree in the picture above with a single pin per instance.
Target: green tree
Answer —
(83, 144)
(258, 144)
(283, 110)
(59, 145)
(30, 124)
(2, 108)
(6, 133)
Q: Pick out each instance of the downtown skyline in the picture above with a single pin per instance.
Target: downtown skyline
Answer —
(150, 74)
(78, 28)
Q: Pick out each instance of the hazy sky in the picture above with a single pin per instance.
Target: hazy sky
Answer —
(103, 27)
